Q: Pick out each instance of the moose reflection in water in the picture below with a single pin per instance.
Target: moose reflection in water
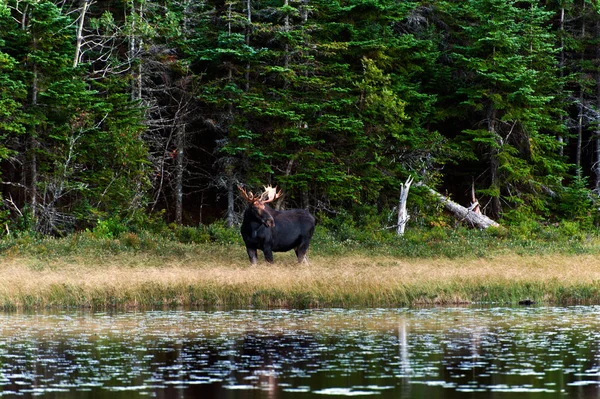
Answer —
(270, 230)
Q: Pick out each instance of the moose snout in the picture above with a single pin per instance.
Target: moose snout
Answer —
(269, 222)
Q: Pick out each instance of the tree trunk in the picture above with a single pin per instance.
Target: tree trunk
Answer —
(403, 216)
(494, 162)
(84, 6)
(561, 139)
(286, 29)
(474, 219)
(474, 203)
(597, 130)
(248, 33)
(201, 208)
(597, 161)
(135, 45)
(288, 171)
(33, 175)
(33, 143)
(179, 174)
(305, 199)
(579, 134)
(230, 203)
(580, 116)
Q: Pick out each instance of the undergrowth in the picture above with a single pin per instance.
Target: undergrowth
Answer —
(208, 266)
(329, 240)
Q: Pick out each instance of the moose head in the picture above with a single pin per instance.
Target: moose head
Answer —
(257, 203)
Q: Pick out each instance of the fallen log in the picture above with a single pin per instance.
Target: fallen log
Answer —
(468, 215)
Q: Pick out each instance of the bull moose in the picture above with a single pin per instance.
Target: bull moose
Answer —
(270, 230)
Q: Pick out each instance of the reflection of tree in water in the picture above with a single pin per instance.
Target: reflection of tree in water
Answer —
(262, 359)
(297, 361)
(397, 354)
(404, 354)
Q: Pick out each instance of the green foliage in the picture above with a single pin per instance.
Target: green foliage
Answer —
(573, 230)
(191, 235)
(508, 55)
(109, 228)
(577, 203)
(336, 102)
(12, 93)
(220, 233)
(73, 142)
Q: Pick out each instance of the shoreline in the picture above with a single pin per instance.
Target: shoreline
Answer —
(138, 281)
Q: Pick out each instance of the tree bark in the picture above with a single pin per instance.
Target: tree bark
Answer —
(288, 171)
(179, 173)
(561, 139)
(33, 142)
(135, 45)
(230, 203)
(597, 129)
(33, 148)
(248, 33)
(579, 134)
(286, 29)
(84, 6)
(403, 216)
(467, 215)
(494, 161)
(580, 116)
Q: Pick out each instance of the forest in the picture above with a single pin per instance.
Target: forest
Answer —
(138, 110)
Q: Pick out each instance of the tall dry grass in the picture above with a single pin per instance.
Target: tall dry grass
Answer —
(139, 280)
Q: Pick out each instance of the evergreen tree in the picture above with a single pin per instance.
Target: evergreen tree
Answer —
(509, 62)
(401, 61)
(12, 93)
(76, 132)
(336, 102)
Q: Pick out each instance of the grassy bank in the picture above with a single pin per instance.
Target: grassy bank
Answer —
(141, 270)
(354, 280)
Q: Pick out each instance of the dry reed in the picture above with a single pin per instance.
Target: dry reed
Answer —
(140, 281)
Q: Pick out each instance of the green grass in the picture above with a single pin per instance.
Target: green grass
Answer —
(216, 240)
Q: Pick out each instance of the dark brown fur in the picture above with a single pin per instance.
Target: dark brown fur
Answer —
(271, 231)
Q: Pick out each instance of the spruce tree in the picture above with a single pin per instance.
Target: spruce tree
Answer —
(509, 62)
(80, 154)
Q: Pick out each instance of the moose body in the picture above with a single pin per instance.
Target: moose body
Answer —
(271, 231)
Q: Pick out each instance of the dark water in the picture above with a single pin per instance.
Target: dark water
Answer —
(389, 353)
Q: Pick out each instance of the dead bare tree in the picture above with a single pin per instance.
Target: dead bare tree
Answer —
(403, 216)
(463, 214)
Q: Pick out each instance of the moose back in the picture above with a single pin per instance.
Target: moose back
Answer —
(270, 230)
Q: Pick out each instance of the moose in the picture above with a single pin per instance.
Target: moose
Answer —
(270, 230)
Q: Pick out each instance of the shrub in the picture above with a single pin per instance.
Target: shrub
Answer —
(191, 235)
(577, 203)
(219, 232)
(325, 242)
(109, 228)
(131, 240)
(571, 230)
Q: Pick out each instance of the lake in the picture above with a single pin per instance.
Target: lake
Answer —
(476, 352)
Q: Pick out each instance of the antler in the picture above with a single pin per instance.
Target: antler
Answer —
(248, 197)
(269, 195)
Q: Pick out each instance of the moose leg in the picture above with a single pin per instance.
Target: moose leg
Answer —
(268, 254)
(301, 251)
(252, 255)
